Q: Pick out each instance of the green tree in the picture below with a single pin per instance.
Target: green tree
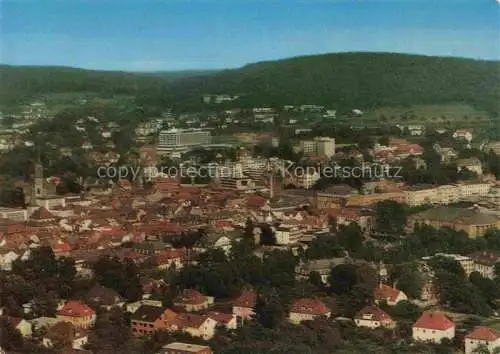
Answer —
(390, 217)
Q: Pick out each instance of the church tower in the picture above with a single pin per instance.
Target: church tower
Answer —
(38, 181)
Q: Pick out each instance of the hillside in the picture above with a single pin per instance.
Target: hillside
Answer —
(343, 81)
(362, 80)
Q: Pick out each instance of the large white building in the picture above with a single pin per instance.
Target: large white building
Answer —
(178, 139)
(320, 146)
(433, 327)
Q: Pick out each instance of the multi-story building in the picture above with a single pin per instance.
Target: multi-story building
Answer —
(484, 263)
(466, 263)
(288, 234)
(433, 327)
(474, 189)
(319, 146)
(421, 195)
(472, 221)
(472, 164)
(184, 348)
(77, 313)
(178, 139)
(13, 214)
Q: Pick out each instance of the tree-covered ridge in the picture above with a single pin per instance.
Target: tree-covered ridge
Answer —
(360, 80)
(342, 81)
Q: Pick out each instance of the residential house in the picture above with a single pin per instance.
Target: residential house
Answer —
(373, 317)
(227, 320)
(463, 134)
(24, 327)
(472, 164)
(321, 266)
(104, 297)
(433, 327)
(389, 294)
(171, 258)
(243, 305)
(482, 336)
(134, 306)
(201, 326)
(484, 262)
(184, 348)
(144, 319)
(65, 334)
(77, 313)
(307, 309)
(191, 300)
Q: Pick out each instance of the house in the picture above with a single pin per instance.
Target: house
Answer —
(184, 348)
(134, 306)
(472, 164)
(321, 266)
(389, 294)
(243, 305)
(433, 327)
(482, 336)
(64, 334)
(373, 317)
(104, 297)
(463, 134)
(171, 258)
(201, 326)
(484, 263)
(23, 326)
(77, 313)
(191, 300)
(224, 319)
(307, 309)
(143, 320)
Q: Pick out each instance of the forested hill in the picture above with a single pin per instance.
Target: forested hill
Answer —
(345, 80)
(357, 80)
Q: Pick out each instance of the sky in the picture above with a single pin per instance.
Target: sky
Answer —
(151, 35)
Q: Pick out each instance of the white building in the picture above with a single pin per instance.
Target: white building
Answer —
(181, 138)
(433, 327)
(482, 336)
(373, 317)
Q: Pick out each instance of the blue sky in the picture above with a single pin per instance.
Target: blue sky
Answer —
(209, 34)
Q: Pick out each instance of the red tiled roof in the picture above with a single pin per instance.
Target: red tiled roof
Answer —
(75, 308)
(247, 299)
(312, 306)
(484, 333)
(167, 255)
(434, 320)
(385, 292)
(377, 313)
(61, 247)
(220, 317)
(192, 297)
(41, 214)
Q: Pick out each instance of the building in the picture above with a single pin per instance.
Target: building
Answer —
(180, 139)
(482, 336)
(421, 195)
(389, 294)
(201, 326)
(307, 309)
(472, 221)
(466, 263)
(484, 263)
(287, 234)
(373, 317)
(463, 134)
(472, 164)
(319, 146)
(24, 327)
(243, 305)
(13, 214)
(321, 266)
(474, 189)
(185, 348)
(77, 313)
(134, 306)
(148, 319)
(433, 327)
(191, 300)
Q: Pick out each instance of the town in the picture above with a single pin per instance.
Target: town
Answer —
(178, 178)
